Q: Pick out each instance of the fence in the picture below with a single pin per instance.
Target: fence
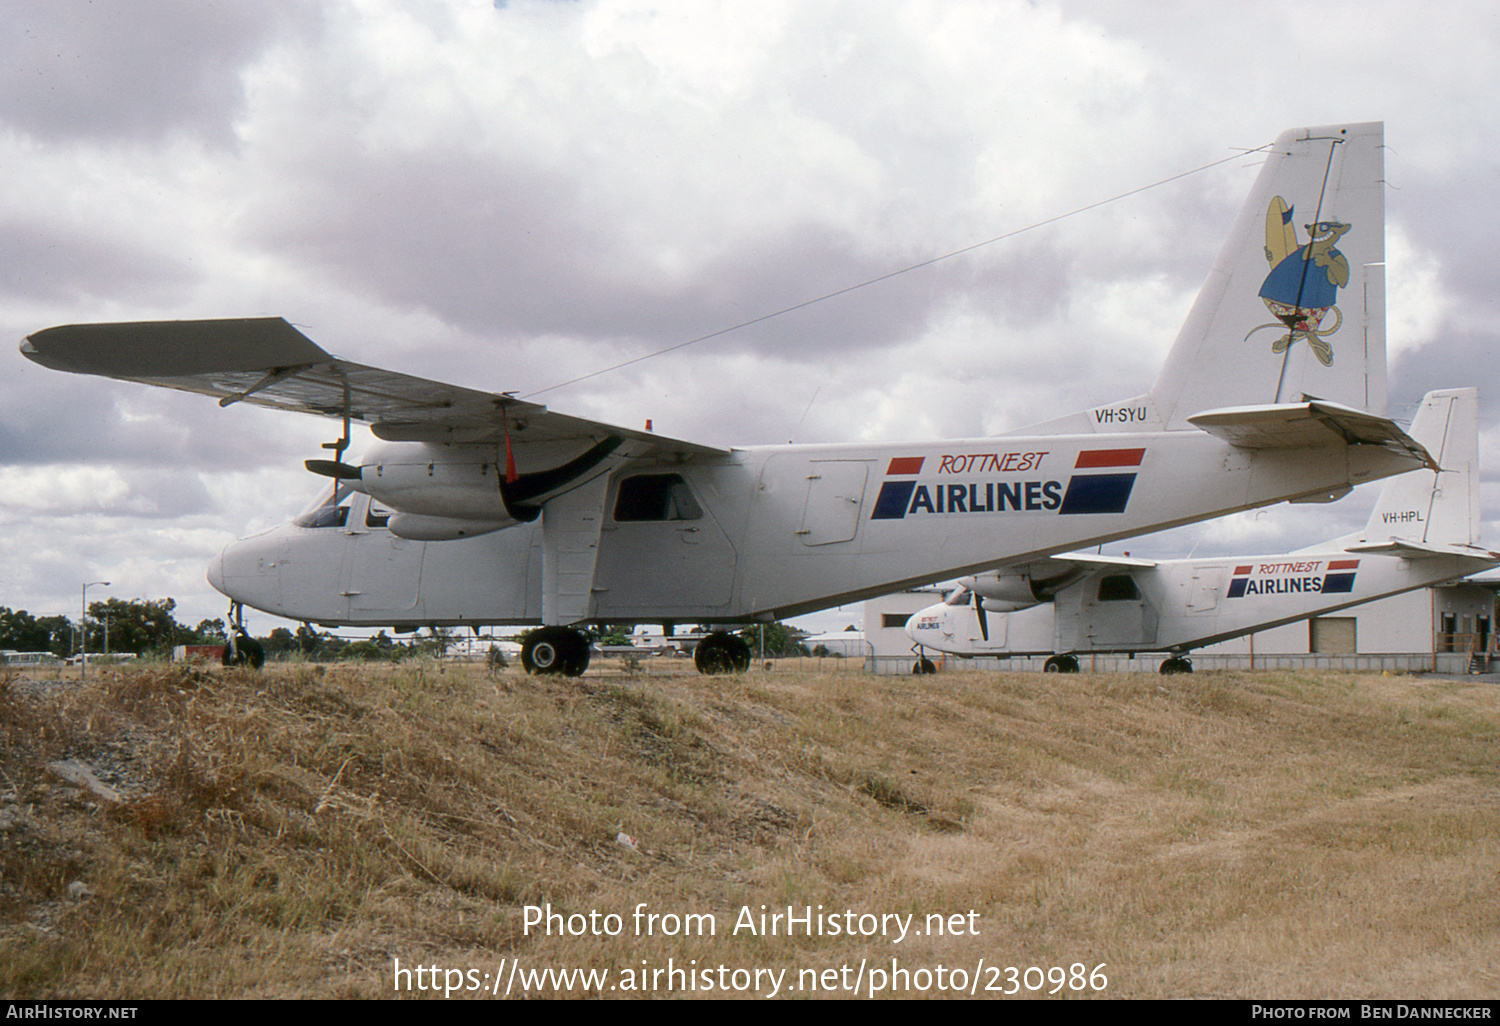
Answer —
(1361, 662)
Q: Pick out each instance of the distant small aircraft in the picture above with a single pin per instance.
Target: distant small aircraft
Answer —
(480, 508)
(1424, 531)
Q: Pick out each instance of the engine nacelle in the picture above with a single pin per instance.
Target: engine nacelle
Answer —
(1004, 591)
(448, 482)
(441, 491)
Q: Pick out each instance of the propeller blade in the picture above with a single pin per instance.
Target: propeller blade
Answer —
(984, 620)
(332, 468)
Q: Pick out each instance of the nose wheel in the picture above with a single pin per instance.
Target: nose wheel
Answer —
(241, 649)
(1177, 664)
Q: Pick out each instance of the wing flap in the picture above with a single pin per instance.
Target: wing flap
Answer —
(1313, 423)
(267, 362)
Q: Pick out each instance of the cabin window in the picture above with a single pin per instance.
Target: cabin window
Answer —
(1118, 588)
(648, 497)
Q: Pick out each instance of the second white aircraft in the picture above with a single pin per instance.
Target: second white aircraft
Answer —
(1424, 531)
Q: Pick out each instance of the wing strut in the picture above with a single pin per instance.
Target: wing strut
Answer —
(571, 524)
(343, 443)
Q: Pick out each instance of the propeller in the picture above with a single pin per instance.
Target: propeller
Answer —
(333, 468)
(984, 620)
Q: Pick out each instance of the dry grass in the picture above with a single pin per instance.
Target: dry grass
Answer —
(293, 834)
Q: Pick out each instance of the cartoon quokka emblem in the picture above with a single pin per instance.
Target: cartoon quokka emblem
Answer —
(1304, 282)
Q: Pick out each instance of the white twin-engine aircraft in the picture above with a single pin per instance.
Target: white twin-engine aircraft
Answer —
(1424, 530)
(483, 509)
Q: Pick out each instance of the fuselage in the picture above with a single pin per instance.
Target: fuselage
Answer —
(770, 532)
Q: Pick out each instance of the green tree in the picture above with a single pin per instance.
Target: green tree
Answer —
(138, 626)
(62, 632)
(617, 634)
(279, 642)
(21, 631)
(366, 651)
(781, 639)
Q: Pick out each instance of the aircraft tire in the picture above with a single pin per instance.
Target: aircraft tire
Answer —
(559, 650)
(1177, 664)
(923, 666)
(1060, 664)
(243, 650)
(721, 653)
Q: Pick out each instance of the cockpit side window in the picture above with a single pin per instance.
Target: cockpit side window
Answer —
(649, 497)
(961, 597)
(331, 511)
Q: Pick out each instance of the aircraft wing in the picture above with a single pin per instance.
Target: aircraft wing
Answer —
(1313, 423)
(1097, 559)
(267, 362)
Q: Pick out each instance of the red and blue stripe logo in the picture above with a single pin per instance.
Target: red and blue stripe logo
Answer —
(1101, 493)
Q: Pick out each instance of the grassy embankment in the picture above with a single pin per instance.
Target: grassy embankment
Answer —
(293, 833)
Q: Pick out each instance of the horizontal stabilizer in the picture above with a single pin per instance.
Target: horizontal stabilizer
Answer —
(1300, 425)
(1421, 550)
(265, 361)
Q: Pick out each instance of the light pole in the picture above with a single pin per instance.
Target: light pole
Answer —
(83, 638)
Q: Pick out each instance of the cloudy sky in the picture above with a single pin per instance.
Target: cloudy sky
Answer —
(513, 195)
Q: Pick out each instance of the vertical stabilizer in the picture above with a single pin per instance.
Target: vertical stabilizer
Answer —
(1295, 304)
(1436, 508)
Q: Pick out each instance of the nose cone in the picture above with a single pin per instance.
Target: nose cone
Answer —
(216, 574)
(249, 571)
(924, 625)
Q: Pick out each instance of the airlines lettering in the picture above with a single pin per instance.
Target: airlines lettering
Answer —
(990, 463)
(1283, 586)
(1405, 516)
(989, 497)
(1121, 415)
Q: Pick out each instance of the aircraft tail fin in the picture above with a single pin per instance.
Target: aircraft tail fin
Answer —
(1294, 307)
(1435, 507)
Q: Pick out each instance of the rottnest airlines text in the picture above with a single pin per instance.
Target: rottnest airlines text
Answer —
(990, 463)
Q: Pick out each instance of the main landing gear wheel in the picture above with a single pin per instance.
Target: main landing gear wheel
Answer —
(923, 665)
(243, 650)
(722, 653)
(1177, 664)
(1060, 664)
(555, 650)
